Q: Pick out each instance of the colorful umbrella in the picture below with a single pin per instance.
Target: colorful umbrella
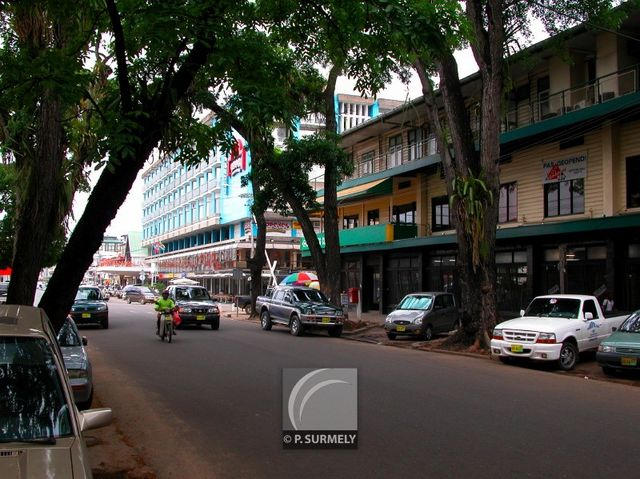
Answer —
(301, 278)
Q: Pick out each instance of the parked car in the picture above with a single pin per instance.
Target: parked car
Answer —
(4, 287)
(77, 363)
(42, 429)
(621, 350)
(299, 308)
(423, 315)
(554, 328)
(195, 305)
(138, 294)
(90, 307)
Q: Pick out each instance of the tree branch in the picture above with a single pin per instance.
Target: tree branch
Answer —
(121, 57)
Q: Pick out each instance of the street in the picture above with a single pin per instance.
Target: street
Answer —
(210, 405)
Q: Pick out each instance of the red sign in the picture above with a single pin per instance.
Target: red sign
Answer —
(237, 162)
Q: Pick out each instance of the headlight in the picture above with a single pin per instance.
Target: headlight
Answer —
(546, 338)
(606, 348)
(77, 373)
(102, 307)
(212, 310)
(387, 319)
(185, 310)
(497, 334)
(339, 314)
(308, 310)
(418, 321)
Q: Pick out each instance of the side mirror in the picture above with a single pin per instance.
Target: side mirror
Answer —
(84, 341)
(588, 315)
(95, 418)
(522, 312)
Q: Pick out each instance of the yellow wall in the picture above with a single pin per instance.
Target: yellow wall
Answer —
(629, 140)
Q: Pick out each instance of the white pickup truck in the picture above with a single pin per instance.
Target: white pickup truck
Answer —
(554, 328)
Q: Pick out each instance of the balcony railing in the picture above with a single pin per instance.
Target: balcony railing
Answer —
(546, 106)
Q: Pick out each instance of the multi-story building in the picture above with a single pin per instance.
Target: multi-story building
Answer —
(569, 203)
(197, 220)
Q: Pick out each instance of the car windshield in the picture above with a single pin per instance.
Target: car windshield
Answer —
(631, 324)
(310, 295)
(68, 335)
(32, 403)
(192, 293)
(416, 302)
(554, 308)
(84, 294)
(146, 290)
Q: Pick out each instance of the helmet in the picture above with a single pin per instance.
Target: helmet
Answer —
(165, 292)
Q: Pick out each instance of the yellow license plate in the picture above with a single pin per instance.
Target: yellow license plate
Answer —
(628, 361)
(401, 329)
(86, 315)
(326, 320)
(200, 317)
(516, 348)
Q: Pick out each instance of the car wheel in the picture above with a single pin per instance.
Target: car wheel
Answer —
(568, 356)
(391, 335)
(609, 371)
(129, 300)
(265, 320)
(247, 308)
(296, 326)
(105, 323)
(427, 334)
(215, 325)
(335, 332)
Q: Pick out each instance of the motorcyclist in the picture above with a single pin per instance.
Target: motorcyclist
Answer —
(163, 304)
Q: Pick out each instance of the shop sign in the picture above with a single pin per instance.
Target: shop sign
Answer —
(565, 169)
(237, 162)
(277, 226)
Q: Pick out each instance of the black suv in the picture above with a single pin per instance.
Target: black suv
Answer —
(196, 306)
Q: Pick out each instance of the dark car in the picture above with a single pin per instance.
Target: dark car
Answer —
(90, 307)
(138, 294)
(299, 308)
(195, 305)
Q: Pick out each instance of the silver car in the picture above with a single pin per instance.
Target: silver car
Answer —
(423, 315)
(77, 363)
(40, 426)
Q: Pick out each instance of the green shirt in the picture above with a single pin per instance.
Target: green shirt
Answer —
(162, 304)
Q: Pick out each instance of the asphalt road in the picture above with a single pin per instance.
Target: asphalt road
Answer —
(210, 405)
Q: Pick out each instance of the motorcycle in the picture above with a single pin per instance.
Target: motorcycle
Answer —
(166, 325)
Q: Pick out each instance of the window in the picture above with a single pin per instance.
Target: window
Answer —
(508, 205)
(395, 151)
(564, 198)
(589, 306)
(366, 163)
(440, 212)
(633, 182)
(543, 98)
(414, 141)
(349, 222)
(405, 214)
(373, 217)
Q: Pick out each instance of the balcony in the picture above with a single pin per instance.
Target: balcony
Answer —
(548, 106)
(382, 233)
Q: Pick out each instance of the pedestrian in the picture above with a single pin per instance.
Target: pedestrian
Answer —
(607, 303)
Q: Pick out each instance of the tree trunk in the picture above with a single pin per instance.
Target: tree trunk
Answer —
(330, 284)
(38, 203)
(105, 199)
(256, 264)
